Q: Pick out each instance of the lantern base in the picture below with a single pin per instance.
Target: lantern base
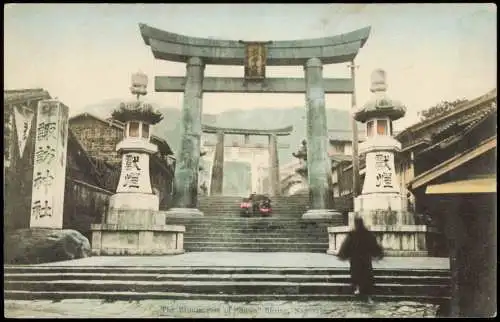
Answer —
(314, 214)
(379, 200)
(183, 213)
(134, 201)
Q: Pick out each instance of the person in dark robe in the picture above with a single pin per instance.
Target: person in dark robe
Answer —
(360, 246)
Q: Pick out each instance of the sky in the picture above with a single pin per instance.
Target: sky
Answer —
(85, 53)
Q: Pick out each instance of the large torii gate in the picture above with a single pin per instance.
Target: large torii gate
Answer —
(218, 163)
(310, 53)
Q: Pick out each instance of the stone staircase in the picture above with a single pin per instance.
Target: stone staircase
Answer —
(223, 229)
(38, 282)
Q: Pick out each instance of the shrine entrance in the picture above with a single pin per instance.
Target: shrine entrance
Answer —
(255, 56)
(251, 163)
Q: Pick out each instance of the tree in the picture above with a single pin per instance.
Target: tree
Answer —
(440, 109)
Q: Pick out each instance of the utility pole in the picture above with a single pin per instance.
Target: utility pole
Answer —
(355, 156)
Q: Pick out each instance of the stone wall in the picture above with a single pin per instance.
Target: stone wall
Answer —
(84, 205)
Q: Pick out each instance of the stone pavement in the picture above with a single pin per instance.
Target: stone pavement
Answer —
(235, 259)
(212, 309)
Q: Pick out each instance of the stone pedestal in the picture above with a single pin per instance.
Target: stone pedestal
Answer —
(131, 200)
(395, 231)
(120, 239)
(136, 232)
(398, 240)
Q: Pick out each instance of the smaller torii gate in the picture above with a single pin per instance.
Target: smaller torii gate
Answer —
(218, 163)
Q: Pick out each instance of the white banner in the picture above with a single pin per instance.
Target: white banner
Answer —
(23, 118)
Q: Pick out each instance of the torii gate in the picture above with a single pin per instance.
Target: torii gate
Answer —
(310, 53)
(218, 163)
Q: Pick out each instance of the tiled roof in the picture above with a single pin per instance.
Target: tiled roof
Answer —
(464, 115)
(112, 122)
(20, 95)
(340, 157)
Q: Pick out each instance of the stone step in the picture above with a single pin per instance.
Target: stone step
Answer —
(290, 227)
(236, 210)
(299, 278)
(214, 270)
(254, 239)
(214, 234)
(292, 248)
(246, 219)
(137, 296)
(219, 287)
(250, 228)
(189, 240)
(288, 207)
(255, 249)
(254, 221)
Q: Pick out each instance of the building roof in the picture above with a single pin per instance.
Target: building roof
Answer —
(468, 186)
(452, 163)
(340, 158)
(161, 143)
(22, 95)
(462, 116)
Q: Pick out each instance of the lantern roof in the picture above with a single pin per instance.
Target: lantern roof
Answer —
(137, 110)
(380, 105)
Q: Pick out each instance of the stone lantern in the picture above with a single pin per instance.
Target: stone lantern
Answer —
(134, 187)
(380, 204)
(133, 224)
(380, 189)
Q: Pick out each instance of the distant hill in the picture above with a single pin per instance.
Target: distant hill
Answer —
(262, 118)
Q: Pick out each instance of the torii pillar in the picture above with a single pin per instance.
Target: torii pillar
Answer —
(274, 166)
(319, 173)
(218, 166)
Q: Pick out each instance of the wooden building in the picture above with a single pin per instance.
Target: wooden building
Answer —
(99, 138)
(452, 175)
(447, 173)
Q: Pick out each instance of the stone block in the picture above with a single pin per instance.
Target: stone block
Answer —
(135, 201)
(145, 218)
(396, 240)
(120, 239)
(377, 201)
